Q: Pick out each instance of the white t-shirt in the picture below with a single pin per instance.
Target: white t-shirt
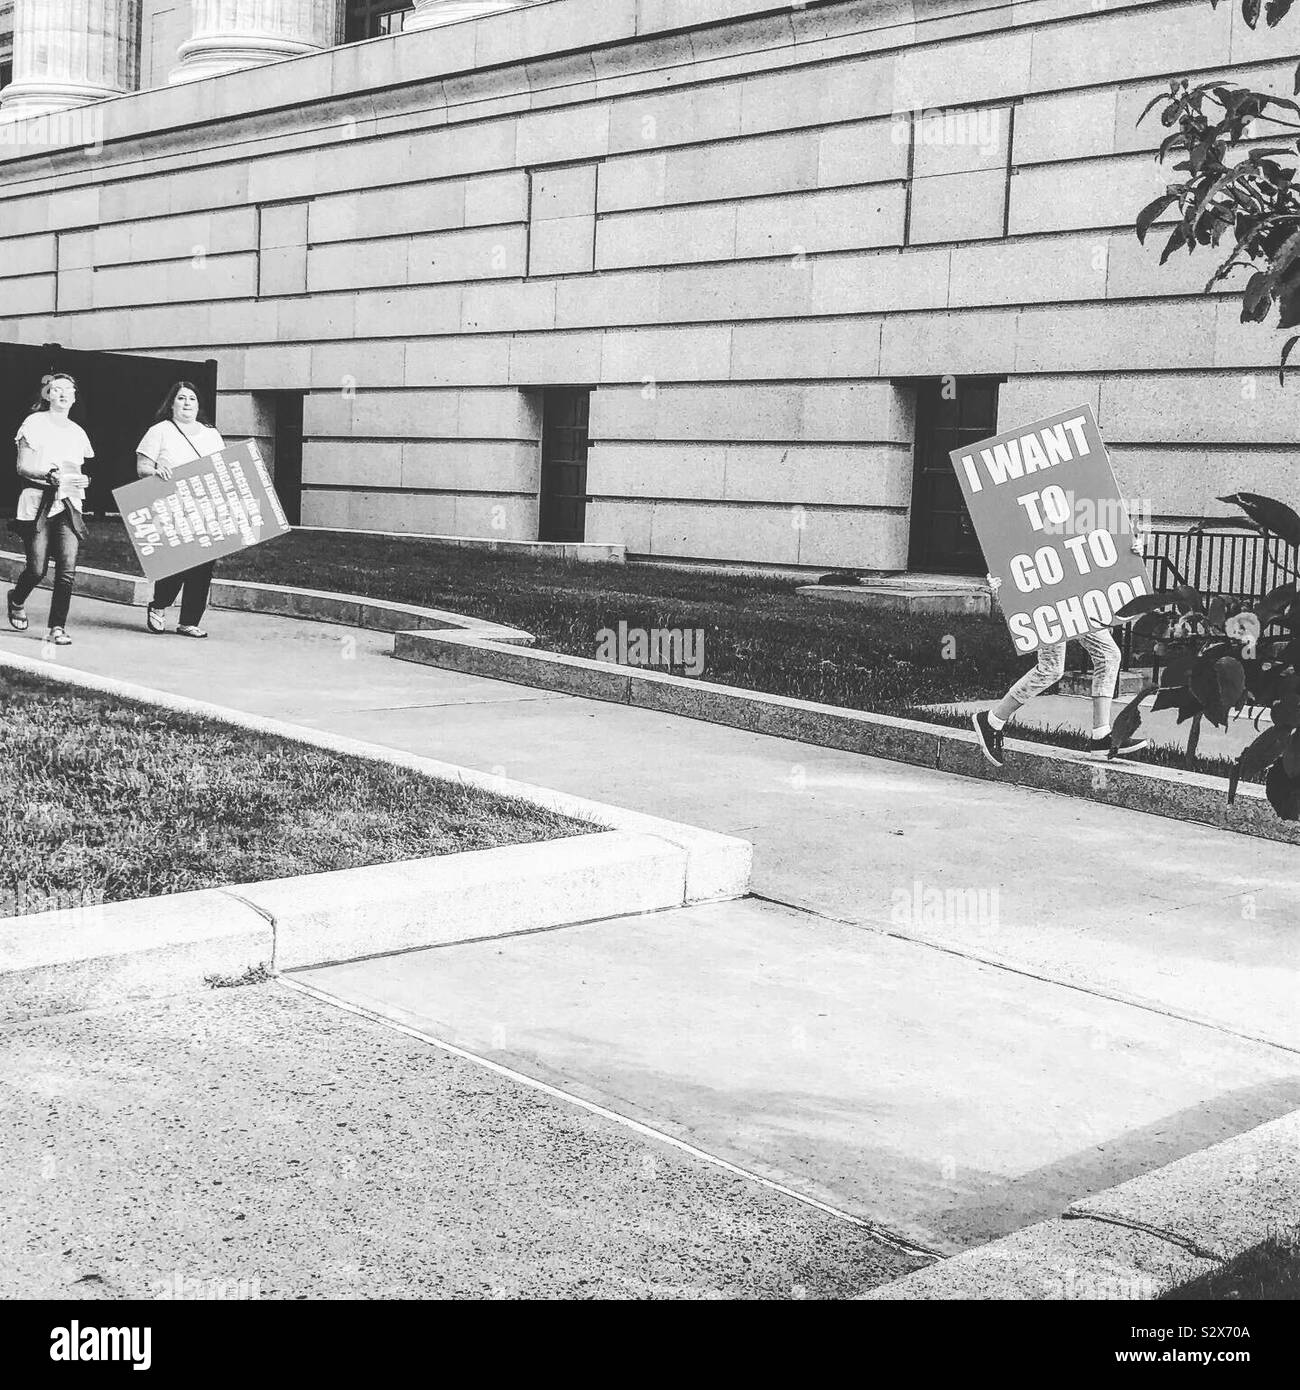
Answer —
(169, 443)
(58, 443)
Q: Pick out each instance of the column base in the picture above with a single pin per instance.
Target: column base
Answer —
(21, 100)
(200, 58)
(450, 11)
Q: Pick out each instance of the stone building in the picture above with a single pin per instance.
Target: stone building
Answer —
(700, 277)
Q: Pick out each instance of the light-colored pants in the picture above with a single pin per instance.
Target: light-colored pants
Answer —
(1100, 646)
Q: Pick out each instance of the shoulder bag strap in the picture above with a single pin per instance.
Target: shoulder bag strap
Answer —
(185, 437)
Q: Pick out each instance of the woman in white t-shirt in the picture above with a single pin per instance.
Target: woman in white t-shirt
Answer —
(180, 433)
(52, 450)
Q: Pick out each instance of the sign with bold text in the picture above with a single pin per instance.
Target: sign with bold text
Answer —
(1047, 511)
(208, 508)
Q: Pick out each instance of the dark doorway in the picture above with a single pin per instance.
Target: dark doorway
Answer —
(950, 413)
(285, 409)
(566, 414)
(117, 397)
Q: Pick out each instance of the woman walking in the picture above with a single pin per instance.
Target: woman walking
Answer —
(52, 449)
(181, 432)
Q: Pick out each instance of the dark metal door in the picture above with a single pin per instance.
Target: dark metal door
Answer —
(943, 539)
(288, 453)
(563, 512)
(117, 396)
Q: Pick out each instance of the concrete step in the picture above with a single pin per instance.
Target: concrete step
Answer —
(908, 594)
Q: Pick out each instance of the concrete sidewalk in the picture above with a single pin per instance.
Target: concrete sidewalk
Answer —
(255, 1143)
(1161, 726)
(1164, 955)
(944, 1102)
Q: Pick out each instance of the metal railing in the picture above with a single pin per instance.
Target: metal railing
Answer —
(1240, 565)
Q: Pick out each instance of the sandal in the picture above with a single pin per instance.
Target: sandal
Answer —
(155, 619)
(58, 638)
(188, 630)
(17, 618)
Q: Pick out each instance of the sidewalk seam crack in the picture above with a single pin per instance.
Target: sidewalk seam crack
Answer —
(266, 916)
(1183, 1242)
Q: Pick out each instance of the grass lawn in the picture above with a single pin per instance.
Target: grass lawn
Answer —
(1271, 1273)
(103, 800)
(758, 633)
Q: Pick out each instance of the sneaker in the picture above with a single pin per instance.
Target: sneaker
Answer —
(1100, 747)
(17, 618)
(990, 738)
(155, 619)
(57, 637)
(189, 630)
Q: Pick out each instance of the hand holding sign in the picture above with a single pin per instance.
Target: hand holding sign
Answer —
(1045, 507)
(205, 509)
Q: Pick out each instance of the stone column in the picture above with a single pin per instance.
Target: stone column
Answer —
(431, 13)
(70, 52)
(233, 34)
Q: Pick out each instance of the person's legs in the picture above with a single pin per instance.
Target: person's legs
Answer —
(1105, 654)
(198, 582)
(166, 591)
(988, 724)
(64, 546)
(1049, 670)
(37, 546)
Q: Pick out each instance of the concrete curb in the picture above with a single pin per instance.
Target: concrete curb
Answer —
(87, 955)
(473, 646)
(589, 552)
(1139, 1240)
(1132, 786)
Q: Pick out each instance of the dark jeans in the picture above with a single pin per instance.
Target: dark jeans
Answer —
(195, 582)
(53, 537)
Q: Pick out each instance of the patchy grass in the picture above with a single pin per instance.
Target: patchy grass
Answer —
(1270, 1273)
(104, 800)
(253, 975)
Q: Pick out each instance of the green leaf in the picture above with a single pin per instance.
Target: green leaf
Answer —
(1291, 757)
(1286, 712)
(1276, 601)
(1267, 748)
(1177, 669)
(1275, 11)
(1204, 685)
(1155, 101)
(1152, 210)
(1257, 298)
(1178, 237)
(1169, 697)
(1127, 721)
(1232, 681)
(1189, 601)
(1268, 514)
(1289, 307)
(1283, 792)
(1286, 352)
(1146, 603)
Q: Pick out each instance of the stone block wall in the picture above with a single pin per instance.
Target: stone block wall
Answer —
(745, 228)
